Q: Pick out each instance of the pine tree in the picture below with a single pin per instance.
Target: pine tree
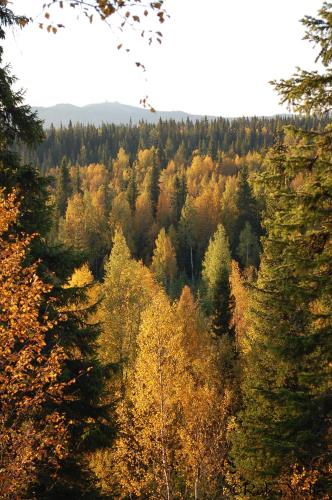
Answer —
(188, 237)
(132, 192)
(75, 179)
(151, 185)
(19, 124)
(286, 369)
(309, 91)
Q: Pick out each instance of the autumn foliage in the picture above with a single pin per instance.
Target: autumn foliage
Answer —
(32, 434)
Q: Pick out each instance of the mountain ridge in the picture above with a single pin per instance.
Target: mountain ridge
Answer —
(107, 112)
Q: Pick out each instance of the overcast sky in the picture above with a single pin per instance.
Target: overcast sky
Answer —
(216, 58)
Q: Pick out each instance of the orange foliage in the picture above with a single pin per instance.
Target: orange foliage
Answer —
(30, 436)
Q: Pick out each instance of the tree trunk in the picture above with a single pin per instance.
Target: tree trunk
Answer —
(162, 437)
(196, 488)
(192, 264)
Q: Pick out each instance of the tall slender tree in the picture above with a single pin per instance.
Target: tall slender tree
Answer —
(247, 208)
(215, 274)
(284, 427)
(164, 260)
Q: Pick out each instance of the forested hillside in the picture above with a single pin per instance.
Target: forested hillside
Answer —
(83, 145)
(165, 301)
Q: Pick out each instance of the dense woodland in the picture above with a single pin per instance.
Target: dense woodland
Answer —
(165, 302)
(83, 145)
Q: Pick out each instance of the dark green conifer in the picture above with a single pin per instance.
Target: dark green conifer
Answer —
(247, 208)
(178, 197)
(286, 417)
(151, 182)
(132, 191)
(63, 189)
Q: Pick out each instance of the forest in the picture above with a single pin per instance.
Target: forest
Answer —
(165, 300)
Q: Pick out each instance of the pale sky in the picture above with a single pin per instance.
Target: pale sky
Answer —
(216, 58)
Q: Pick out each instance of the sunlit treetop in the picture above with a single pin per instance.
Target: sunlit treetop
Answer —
(311, 91)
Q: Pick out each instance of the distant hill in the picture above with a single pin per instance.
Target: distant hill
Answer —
(107, 112)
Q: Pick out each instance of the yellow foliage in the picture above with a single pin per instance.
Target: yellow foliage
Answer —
(93, 177)
(200, 171)
(145, 159)
(240, 320)
(119, 171)
(144, 452)
(28, 375)
(81, 277)
(121, 217)
(173, 420)
(127, 290)
(164, 259)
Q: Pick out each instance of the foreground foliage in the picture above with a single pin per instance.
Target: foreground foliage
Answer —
(209, 276)
(33, 434)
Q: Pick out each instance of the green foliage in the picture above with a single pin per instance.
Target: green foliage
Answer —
(286, 369)
(309, 91)
(164, 260)
(215, 275)
(282, 320)
(63, 188)
(152, 187)
(132, 192)
(285, 421)
(188, 241)
(248, 249)
(247, 208)
(127, 289)
(84, 145)
(179, 196)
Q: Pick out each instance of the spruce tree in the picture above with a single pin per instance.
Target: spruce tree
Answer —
(188, 238)
(132, 192)
(284, 422)
(63, 188)
(284, 427)
(247, 208)
(178, 197)
(151, 182)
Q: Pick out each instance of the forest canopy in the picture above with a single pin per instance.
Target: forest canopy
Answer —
(165, 298)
